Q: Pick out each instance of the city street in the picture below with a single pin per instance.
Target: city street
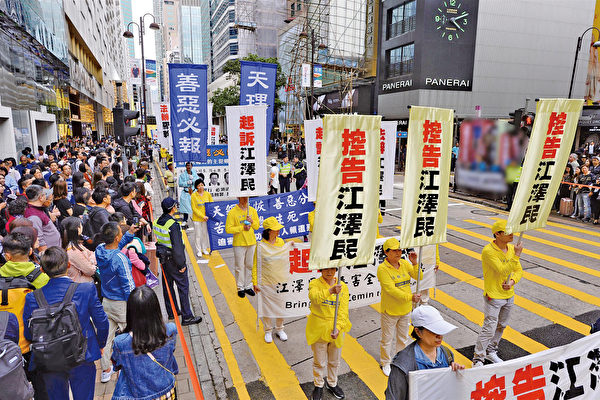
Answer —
(555, 303)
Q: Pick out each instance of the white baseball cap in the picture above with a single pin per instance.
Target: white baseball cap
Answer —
(430, 319)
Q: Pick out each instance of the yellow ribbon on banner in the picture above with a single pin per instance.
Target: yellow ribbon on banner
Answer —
(547, 154)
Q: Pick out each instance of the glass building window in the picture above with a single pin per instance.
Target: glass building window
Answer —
(400, 60)
(401, 19)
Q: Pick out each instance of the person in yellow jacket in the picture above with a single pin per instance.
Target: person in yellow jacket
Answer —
(241, 222)
(199, 218)
(394, 275)
(501, 271)
(273, 268)
(379, 221)
(326, 342)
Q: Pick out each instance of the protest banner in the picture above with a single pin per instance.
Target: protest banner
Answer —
(313, 134)
(247, 150)
(291, 210)
(345, 225)
(150, 72)
(213, 135)
(425, 195)
(565, 372)
(189, 121)
(257, 87)
(135, 71)
(214, 171)
(388, 159)
(547, 154)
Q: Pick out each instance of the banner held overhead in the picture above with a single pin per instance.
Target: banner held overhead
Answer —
(257, 87)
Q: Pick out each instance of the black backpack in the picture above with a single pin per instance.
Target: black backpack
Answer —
(13, 381)
(58, 343)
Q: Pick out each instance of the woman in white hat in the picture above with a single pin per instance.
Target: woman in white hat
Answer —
(271, 266)
(426, 352)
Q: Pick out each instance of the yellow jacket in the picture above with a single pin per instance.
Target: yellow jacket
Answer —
(311, 220)
(198, 201)
(497, 267)
(278, 243)
(379, 221)
(319, 323)
(234, 226)
(396, 296)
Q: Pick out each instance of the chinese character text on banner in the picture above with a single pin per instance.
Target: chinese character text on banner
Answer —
(388, 154)
(313, 132)
(257, 87)
(425, 197)
(348, 193)
(247, 150)
(189, 120)
(547, 154)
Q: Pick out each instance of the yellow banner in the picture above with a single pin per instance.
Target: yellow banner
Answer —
(345, 225)
(547, 154)
(427, 176)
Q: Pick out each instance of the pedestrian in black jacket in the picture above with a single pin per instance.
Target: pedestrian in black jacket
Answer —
(123, 204)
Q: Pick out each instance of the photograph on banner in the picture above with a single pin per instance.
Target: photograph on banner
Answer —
(216, 180)
(547, 154)
(313, 135)
(569, 371)
(135, 71)
(189, 119)
(247, 150)
(257, 87)
(427, 176)
(388, 159)
(488, 150)
(290, 209)
(345, 225)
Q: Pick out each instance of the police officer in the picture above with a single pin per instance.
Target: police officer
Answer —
(171, 252)
(299, 173)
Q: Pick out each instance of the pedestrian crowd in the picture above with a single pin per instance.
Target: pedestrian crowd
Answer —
(76, 274)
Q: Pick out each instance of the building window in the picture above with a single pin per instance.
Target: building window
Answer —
(401, 19)
(400, 61)
(233, 49)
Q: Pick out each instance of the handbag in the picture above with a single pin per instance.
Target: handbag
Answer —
(151, 279)
(172, 394)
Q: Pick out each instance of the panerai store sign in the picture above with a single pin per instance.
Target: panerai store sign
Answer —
(447, 82)
(395, 85)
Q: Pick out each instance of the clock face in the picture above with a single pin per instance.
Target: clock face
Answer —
(451, 19)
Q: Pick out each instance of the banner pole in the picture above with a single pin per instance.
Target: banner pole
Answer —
(418, 273)
(520, 238)
(337, 300)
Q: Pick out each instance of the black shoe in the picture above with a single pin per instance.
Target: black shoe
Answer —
(317, 393)
(172, 317)
(249, 292)
(191, 321)
(241, 294)
(335, 390)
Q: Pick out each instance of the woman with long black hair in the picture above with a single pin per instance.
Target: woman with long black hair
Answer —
(82, 262)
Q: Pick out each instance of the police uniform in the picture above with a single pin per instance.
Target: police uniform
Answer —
(299, 174)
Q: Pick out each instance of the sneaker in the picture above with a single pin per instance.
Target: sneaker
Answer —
(268, 337)
(477, 364)
(106, 375)
(250, 292)
(336, 390)
(206, 252)
(282, 336)
(317, 394)
(191, 321)
(241, 294)
(386, 370)
(199, 254)
(493, 357)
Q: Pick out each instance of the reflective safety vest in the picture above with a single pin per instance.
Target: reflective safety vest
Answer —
(297, 171)
(285, 168)
(162, 233)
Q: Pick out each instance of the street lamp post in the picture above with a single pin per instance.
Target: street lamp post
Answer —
(128, 34)
(579, 40)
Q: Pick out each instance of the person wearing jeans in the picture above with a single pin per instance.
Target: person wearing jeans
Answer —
(501, 271)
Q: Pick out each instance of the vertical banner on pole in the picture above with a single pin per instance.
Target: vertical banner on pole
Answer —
(388, 153)
(547, 154)
(189, 121)
(348, 194)
(257, 87)
(425, 198)
(247, 150)
(313, 134)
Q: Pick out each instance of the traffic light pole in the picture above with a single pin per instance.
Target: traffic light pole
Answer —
(144, 105)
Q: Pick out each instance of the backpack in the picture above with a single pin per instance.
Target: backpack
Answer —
(58, 343)
(13, 291)
(13, 381)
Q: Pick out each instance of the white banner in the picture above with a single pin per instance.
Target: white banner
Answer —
(216, 181)
(285, 295)
(135, 71)
(247, 150)
(388, 154)
(565, 372)
(313, 134)
(213, 134)
(305, 77)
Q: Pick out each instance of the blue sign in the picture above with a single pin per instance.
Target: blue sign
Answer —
(291, 210)
(257, 86)
(189, 119)
(215, 155)
(402, 135)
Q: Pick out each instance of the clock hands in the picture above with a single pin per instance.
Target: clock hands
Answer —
(453, 20)
(459, 17)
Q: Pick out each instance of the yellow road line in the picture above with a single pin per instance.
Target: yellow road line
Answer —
(542, 311)
(476, 316)
(562, 235)
(543, 241)
(232, 365)
(567, 264)
(278, 375)
(573, 228)
(364, 366)
(559, 287)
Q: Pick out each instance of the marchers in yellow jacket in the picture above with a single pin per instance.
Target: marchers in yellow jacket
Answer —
(497, 267)
(198, 201)
(234, 225)
(396, 296)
